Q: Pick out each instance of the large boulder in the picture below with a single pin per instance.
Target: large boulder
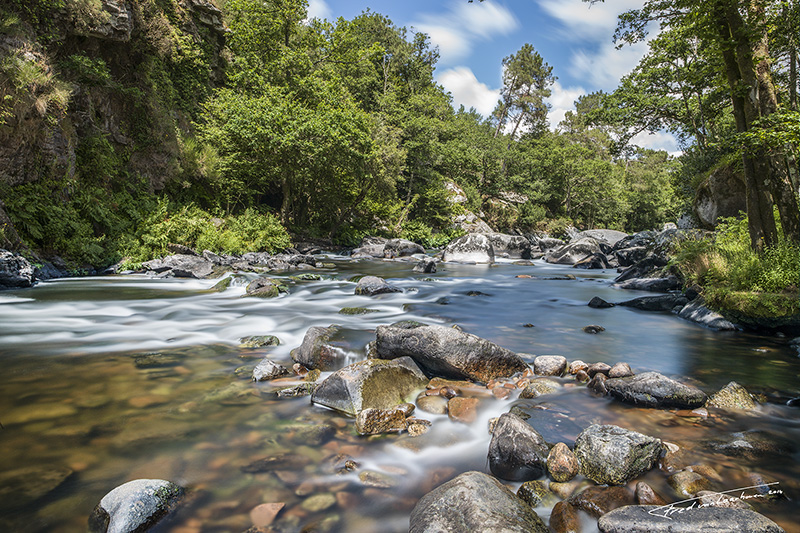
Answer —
(401, 248)
(573, 252)
(613, 455)
(373, 383)
(471, 223)
(472, 248)
(511, 246)
(669, 283)
(15, 271)
(182, 266)
(651, 389)
(696, 311)
(665, 302)
(722, 194)
(318, 349)
(517, 452)
(474, 501)
(609, 236)
(135, 506)
(374, 285)
(733, 396)
(448, 352)
(684, 519)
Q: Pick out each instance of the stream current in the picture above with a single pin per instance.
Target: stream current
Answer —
(110, 379)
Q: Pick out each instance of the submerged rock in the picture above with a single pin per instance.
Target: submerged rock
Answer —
(697, 312)
(732, 396)
(472, 248)
(597, 501)
(677, 519)
(373, 421)
(651, 389)
(448, 352)
(135, 506)
(259, 341)
(318, 350)
(263, 288)
(373, 285)
(517, 452)
(473, 502)
(613, 455)
(666, 302)
(375, 383)
(22, 486)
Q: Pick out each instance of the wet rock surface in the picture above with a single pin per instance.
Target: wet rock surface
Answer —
(651, 389)
(473, 501)
(373, 285)
(135, 506)
(318, 349)
(517, 452)
(696, 311)
(15, 271)
(650, 519)
(448, 352)
(614, 455)
(472, 248)
(598, 501)
(562, 465)
(732, 396)
(268, 369)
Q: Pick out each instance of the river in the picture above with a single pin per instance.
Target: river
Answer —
(108, 379)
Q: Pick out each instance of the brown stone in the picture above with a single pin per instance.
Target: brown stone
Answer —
(562, 465)
(407, 408)
(564, 490)
(501, 393)
(620, 370)
(576, 366)
(564, 518)
(377, 421)
(417, 426)
(432, 404)
(461, 409)
(598, 368)
(728, 500)
(597, 501)
(582, 376)
(533, 492)
(597, 384)
(687, 483)
(264, 514)
(645, 495)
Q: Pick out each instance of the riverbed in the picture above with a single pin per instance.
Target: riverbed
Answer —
(109, 379)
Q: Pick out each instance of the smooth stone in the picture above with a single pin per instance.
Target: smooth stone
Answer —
(576, 366)
(564, 518)
(598, 368)
(539, 387)
(665, 302)
(263, 515)
(598, 303)
(379, 480)
(461, 409)
(620, 370)
(651, 389)
(318, 349)
(533, 492)
(21, 486)
(374, 285)
(319, 502)
(670, 283)
(562, 465)
(613, 455)
(376, 421)
(549, 365)
(472, 502)
(471, 248)
(696, 311)
(373, 383)
(258, 341)
(517, 452)
(135, 506)
(598, 384)
(436, 405)
(268, 369)
(645, 495)
(598, 501)
(650, 519)
(710, 498)
(687, 484)
(732, 396)
(448, 352)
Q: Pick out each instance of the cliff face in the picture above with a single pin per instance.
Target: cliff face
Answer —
(100, 92)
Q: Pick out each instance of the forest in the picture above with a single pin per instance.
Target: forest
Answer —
(243, 125)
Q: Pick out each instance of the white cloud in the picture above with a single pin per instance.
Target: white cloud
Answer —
(562, 100)
(318, 9)
(585, 21)
(658, 141)
(458, 29)
(468, 91)
(605, 65)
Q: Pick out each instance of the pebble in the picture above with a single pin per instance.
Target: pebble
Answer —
(319, 502)
(461, 409)
(264, 514)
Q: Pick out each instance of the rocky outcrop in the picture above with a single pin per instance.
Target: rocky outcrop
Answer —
(15, 271)
(682, 519)
(401, 248)
(669, 283)
(613, 455)
(264, 288)
(318, 349)
(575, 251)
(135, 506)
(722, 194)
(651, 389)
(517, 452)
(608, 236)
(448, 352)
(373, 383)
(509, 246)
(696, 311)
(473, 501)
(472, 248)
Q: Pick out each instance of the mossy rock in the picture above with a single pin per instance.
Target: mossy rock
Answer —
(357, 311)
(222, 285)
(259, 341)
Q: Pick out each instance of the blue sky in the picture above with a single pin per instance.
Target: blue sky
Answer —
(473, 38)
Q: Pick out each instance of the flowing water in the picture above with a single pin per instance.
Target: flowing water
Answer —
(111, 379)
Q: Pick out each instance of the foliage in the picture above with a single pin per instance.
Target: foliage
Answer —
(734, 277)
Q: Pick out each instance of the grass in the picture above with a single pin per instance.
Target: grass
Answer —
(735, 278)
